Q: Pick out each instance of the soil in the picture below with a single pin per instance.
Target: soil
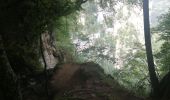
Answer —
(74, 81)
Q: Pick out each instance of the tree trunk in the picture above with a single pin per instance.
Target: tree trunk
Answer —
(9, 88)
(151, 68)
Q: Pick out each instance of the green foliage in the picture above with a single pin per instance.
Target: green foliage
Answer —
(135, 2)
(22, 23)
(101, 45)
(34, 16)
(64, 27)
(164, 55)
(135, 74)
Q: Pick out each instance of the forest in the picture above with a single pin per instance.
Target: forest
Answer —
(84, 50)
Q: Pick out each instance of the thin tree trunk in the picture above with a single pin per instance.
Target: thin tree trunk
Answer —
(9, 87)
(45, 66)
(151, 67)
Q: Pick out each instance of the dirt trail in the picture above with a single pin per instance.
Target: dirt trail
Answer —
(87, 81)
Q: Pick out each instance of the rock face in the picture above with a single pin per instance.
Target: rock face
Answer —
(53, 55)
(24, 52)
(86, 81)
